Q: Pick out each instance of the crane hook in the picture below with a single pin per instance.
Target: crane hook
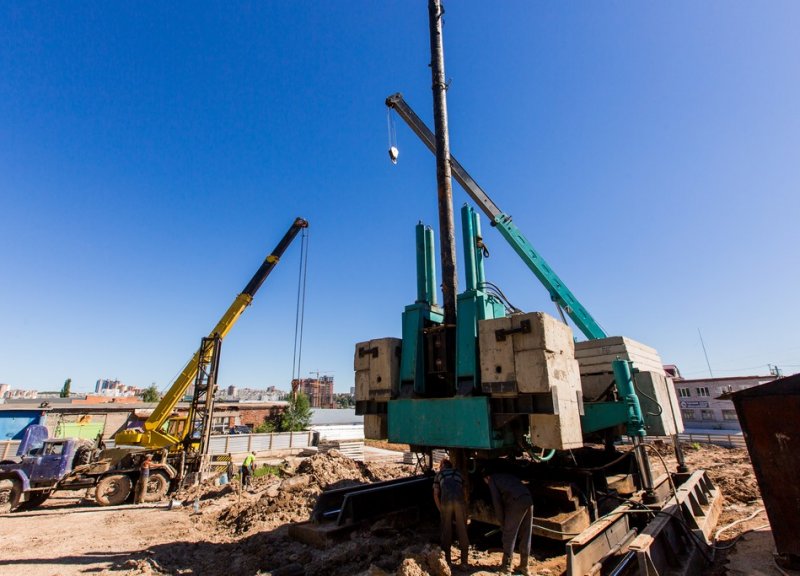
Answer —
(393, 151)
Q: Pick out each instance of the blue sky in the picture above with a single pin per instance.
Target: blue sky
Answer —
(151, 155)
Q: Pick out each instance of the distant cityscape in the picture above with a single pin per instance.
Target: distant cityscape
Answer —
(318, 390)
(702, 401)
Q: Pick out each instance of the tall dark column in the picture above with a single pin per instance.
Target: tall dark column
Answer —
(444, 184)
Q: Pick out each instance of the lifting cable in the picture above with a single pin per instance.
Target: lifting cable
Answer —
(390, 125)
(301, 306)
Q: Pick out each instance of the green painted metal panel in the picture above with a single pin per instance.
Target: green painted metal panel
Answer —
(602, 415)
(412, 368)
(462, 422)
(88, 431)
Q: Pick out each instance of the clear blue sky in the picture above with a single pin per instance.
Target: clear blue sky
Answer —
(152, 154)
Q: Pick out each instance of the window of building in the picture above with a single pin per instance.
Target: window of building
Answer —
(702, 391)
(219, 425)
(687, 414)
(707, 414)
(729, 415)
(684, 392)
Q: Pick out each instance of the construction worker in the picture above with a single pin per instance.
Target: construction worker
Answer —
(248, 467)
(450, 495)
(144, 477)
(513, 507)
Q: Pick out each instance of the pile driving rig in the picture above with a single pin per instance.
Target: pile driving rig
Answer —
(503, 390)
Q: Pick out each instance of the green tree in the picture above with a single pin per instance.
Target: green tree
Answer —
(65, 390)
(151, 394)
(344, 400)
(298, 415)
(266, 426)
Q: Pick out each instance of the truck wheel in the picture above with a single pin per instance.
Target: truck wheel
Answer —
(157, 487)
(83, 455)
(34, 499)
(113, 490)
(10, 494)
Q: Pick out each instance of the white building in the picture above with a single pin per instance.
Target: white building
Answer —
(701, 407)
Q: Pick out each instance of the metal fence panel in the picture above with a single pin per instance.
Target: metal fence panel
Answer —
(282, 441)
(241, 443)
(234, 443)
(237, 443)
(8, 448)
(725, 440)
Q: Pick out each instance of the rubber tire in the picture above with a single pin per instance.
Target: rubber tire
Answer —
(83, 455)
(35, 499)
(10, 495)
(113, 490)
(157, 487)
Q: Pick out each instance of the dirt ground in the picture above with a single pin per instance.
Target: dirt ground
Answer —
(246, 533)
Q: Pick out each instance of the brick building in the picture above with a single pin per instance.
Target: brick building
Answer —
(254, 413)
(319, 391)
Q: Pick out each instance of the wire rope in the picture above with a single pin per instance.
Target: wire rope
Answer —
(299, 320)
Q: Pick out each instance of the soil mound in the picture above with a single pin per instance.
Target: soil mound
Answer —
(278, 501)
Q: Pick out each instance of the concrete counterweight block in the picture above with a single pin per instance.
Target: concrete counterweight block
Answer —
(377, 365)
(534, 354)
(561, 430)
(526, 354)
(375, 427)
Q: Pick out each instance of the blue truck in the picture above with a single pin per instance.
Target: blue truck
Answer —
(43, 465)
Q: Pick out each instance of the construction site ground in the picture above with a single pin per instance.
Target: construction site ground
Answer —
(246, 532)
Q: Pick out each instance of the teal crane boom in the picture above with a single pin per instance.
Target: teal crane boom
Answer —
(558, 291)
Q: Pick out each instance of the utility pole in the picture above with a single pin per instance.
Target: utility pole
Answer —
(705, 353)
(447, 239)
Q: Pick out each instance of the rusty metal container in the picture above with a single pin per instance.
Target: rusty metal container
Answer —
(770, 419)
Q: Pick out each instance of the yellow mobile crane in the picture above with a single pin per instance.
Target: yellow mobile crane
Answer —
(175, 443)
(160, 430)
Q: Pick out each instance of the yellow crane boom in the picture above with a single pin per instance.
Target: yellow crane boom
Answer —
(157, 432)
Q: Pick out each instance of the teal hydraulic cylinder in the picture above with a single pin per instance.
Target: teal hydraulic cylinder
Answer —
(426, 269)
(416, 317)
(625, 388)
(479, 249)
(474, 305)
(635, 424)
(468, 237)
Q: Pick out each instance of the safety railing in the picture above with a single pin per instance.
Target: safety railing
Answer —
(725, 440)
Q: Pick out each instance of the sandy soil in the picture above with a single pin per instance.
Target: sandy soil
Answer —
(245, 533)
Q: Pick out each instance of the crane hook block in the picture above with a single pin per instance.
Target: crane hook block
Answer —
(393, 154)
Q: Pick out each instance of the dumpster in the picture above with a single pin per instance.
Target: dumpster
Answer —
(770, 419)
